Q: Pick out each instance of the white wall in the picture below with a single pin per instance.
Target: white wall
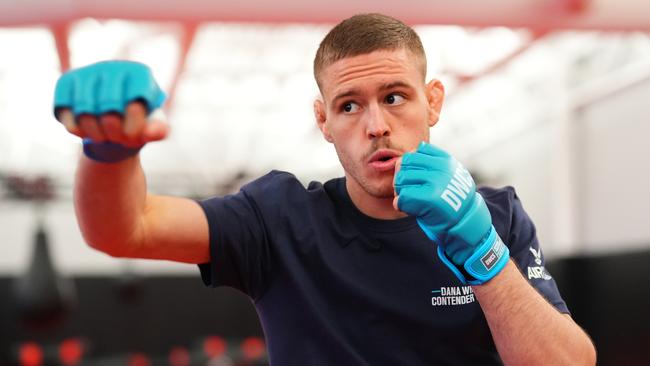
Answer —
(614, 177)
(583, 171)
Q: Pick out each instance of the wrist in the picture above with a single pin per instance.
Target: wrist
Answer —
(108, 152)
(487, 259)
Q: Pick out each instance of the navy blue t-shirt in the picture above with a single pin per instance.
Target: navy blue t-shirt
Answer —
(333, 286)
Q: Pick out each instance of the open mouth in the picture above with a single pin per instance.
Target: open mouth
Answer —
(382, 155)
(383, 160)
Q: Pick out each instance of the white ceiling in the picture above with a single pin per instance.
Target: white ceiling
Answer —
(243, 92)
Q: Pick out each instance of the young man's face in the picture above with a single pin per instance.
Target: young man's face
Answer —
(376, 107)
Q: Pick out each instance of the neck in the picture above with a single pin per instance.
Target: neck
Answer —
(377, 208)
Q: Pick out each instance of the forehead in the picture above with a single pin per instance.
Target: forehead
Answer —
(383, 66)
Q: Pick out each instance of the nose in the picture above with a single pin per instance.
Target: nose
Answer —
(376, 124)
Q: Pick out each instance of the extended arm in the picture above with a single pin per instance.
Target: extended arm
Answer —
(116, 215)
(107, 104)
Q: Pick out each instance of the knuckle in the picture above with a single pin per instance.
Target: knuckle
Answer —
(73, 130)
(137, 107)
(86, 118)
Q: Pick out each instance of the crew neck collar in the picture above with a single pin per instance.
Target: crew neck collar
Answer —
(366, 222)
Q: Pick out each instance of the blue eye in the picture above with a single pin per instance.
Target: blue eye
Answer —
(394, 99)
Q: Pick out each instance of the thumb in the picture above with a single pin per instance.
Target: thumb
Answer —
(155, 131)
(398, 166)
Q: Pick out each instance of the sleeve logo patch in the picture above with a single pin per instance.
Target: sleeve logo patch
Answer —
(537, 254)
(538, 272)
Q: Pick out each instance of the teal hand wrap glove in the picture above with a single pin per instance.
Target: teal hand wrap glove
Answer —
(105, 87)
(440, 192)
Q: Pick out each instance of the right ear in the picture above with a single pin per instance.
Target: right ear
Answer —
(435, 96)
(321, 119)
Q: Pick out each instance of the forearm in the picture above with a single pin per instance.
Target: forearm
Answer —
(109, 202)
(527, 330)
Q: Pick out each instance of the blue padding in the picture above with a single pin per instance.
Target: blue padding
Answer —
(107, 86)
(107, 152)
(489, 259)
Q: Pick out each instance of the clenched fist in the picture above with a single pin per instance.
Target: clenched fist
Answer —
(108, 105)
(435, 188)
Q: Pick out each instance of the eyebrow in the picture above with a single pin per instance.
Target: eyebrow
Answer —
(386, 86)
(395, 84)
(345, 94)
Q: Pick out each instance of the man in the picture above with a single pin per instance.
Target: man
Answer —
(401, 262)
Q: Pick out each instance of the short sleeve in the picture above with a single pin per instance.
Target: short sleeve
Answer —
(518, 231)
(239, 248)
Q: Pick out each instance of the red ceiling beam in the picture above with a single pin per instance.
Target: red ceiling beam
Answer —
(60, 32)
(576, 6)
(608, 15)
(186, 41)
(555, 8)
(464, 79)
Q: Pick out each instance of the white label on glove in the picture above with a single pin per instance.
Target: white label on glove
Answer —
(458, 188)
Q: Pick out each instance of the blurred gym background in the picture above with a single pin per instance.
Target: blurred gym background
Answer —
(550, 96)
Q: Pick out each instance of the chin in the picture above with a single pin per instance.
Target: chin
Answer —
(383, 190)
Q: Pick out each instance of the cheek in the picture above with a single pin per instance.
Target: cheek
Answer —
(415, 118)
(344, 129)
(414, 127)
(345, 157)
